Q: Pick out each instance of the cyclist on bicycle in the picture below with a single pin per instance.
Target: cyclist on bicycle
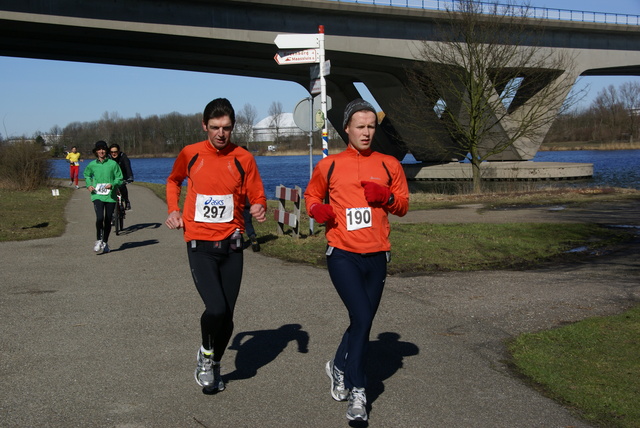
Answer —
(125, 165)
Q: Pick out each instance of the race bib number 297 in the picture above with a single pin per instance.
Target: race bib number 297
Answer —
(214, 208)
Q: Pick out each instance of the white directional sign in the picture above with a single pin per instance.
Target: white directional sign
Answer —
(297, 56)
(297, 41)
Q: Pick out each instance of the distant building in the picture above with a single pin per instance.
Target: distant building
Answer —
(267, 129)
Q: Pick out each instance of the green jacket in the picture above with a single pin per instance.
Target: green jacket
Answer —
(102, 173)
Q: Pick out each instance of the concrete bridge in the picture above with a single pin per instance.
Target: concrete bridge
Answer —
(365, 43)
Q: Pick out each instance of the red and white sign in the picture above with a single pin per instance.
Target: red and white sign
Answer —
(297, 56)
(287, 194)
(284, 217)
(315, 87)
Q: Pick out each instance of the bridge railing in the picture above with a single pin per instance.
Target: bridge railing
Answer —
(531, 11)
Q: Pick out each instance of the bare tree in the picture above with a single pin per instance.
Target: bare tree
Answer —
(612, 115)
(243, 130)
(607, 104)
(630, 98)
(275, 111)
(489, 84)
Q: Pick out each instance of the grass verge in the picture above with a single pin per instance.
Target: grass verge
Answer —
(592, 365)
(540, 197)
(423, 248)
(32, 214)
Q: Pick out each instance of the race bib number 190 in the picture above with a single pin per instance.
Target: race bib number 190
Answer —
(358, 218)
(214, 208)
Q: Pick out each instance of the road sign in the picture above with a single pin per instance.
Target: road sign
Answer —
(317, 103)
(297, 56)
(297, 41)
(315, 70)
(302, 115)
(319, 119)
(315, 87)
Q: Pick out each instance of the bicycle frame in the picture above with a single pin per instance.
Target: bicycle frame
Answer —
(119, 213)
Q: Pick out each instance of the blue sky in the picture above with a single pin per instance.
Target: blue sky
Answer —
(36, 95)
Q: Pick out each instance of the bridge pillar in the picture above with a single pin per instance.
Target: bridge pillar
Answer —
(425, 135)
(551, 84)
(342, 91)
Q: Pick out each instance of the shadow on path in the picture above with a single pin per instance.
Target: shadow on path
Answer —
(137, 227)
(386, 357)
(130, 245)
(258, 348)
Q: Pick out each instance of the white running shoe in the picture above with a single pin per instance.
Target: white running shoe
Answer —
(207, 373)
(357, 409)
(338, 391)
(98, 246)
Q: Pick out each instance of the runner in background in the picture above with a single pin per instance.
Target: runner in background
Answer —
(127, 173)
(74, 165)
(103, 176)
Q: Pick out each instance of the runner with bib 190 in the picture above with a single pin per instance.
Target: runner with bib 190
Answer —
(352, 193)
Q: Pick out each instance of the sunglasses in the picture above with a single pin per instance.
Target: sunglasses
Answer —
(114, 151)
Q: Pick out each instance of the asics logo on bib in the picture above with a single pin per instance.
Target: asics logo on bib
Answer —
(212, 201)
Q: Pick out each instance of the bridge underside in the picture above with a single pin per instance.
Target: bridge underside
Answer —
(364, 44)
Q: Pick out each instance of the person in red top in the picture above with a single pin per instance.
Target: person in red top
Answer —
(221, 177)
(352, 193)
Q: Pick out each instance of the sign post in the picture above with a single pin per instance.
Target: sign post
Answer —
(308, 48)
(323, 94)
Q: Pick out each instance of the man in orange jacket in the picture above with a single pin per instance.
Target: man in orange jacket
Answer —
(352, 193)
(221, 178)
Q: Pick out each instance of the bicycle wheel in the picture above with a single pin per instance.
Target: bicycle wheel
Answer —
(121, 216)
(117, 219)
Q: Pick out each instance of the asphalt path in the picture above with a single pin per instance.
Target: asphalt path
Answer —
(110, 340)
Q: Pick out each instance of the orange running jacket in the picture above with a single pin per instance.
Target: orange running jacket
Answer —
(230, 171)
(346, 196)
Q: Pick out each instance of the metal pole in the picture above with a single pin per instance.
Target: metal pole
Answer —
(323, 95)
(310, 135)
(310, 152)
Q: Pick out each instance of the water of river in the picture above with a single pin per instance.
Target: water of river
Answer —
(618, 168)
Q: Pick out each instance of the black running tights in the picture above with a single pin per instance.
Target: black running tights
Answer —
(217, 278)
(104, 216)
